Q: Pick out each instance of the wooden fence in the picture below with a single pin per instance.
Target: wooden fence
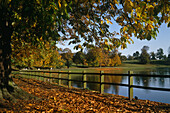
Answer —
(102, 82)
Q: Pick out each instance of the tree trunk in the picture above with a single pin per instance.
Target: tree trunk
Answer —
(5, 60)
(5, 52)
(8, 89)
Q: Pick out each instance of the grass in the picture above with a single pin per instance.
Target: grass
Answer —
(129, 65)
(153, 64)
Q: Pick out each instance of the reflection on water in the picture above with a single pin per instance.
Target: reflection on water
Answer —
(152, 95)
(161, 82)
(113, 79)
(93, 86)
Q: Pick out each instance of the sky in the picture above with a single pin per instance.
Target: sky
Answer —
(162, 41)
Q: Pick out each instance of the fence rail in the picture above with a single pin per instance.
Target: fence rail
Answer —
(101, 74)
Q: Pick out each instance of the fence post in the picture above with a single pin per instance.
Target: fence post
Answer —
(29, 74)
(33, 75)
(69, 79)
(101, 82)
(44, 76)
(38, 73)
(130, 80)
(84, 80)
(51, 77)
(59, 76)
(40, 77)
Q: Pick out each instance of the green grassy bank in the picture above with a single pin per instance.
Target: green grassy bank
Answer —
(131, 65)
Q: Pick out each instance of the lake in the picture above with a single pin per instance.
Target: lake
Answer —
(152, 95)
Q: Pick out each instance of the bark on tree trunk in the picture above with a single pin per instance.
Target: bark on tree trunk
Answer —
(5, 52)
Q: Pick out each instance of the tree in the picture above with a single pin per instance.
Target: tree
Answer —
(79, 58)
(32, 19)
(123, 58)
(164, 57)
(95, 57)
(160, 53)
(169, 54)
(168, 50)
(152, 56)
(144, 57)
(168, 57)
(67, 55)
(27, 55)
(101, 57)
(136, 55)
(106, 61)
(129, 57)
(115, 58)
(29, 21)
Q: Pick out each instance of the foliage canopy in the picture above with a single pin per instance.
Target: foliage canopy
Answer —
(85, 20)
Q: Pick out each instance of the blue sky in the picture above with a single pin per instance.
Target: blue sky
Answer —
(162, 41)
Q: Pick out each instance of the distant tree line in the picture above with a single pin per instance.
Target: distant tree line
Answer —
(144, 57)
(47, 55)
(95, 57)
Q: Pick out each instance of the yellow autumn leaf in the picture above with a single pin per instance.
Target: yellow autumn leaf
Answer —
(116, 2)
(132, 41)
(34, 25)
(151, 6)
(88, 16)
(59, 3)
(102, 22)
(122, 48)
(105, 43)
(51, 110)
(108, 21)
(131, 3)
(30, 104)
(79, 46)
(138, 14)
(101, 30)
(55, 8)
(128, 42)
(124, 28)
(55, 99)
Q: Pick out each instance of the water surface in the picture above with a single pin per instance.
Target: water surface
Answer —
(153, 95)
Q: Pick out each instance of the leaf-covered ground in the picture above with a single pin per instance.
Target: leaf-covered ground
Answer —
(53, 98)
